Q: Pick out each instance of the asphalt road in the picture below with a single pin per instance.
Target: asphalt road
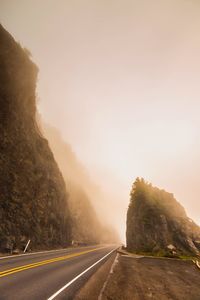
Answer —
(39, 276)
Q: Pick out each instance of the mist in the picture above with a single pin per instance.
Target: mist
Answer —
(84, 193)
(120, 82)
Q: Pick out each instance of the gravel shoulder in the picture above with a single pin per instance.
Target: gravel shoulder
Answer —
(144, 278)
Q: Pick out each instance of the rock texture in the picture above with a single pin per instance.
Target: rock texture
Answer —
(158, 224)
(33, 198)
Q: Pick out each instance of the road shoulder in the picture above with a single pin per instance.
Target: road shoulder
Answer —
(144, 278)
(93, 286)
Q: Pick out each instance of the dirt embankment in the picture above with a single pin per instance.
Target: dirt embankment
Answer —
(144, 278)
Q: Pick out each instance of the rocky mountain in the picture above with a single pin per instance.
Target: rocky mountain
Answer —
(87, 224)
(158, 224)
(33, 197)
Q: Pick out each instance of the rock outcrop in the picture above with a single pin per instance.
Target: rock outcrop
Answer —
(33, 198)
(158, 224)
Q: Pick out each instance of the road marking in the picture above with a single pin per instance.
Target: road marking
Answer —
(41, 252)
(44, 262)
(27, 254)
(108, 277)
(78, 276)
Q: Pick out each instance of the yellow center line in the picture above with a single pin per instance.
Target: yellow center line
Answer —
(44, 262)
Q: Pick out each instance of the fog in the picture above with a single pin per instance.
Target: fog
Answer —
(119, 80)
(81, 186)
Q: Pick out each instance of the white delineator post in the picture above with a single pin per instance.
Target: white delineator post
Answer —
(27, 246)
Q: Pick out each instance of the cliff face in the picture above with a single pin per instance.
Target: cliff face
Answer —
(86, 228)
(157, 223)
(33, 199)
(86, 225)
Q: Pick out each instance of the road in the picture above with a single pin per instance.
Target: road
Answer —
(50, 275)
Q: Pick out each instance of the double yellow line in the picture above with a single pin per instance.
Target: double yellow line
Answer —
(44, 262)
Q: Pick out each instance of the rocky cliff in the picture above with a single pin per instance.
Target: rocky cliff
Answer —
(33, 198)
(87, 222)
(158, 224)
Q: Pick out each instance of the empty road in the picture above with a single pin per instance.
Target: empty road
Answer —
(50, 275)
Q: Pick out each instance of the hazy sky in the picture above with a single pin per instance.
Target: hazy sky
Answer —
(120, 79)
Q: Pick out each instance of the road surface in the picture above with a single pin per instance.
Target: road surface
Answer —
(50, 275)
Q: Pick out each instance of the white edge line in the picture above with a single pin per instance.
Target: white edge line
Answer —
(33, 253)
(46, 251)
(108, 277)
(78, 276)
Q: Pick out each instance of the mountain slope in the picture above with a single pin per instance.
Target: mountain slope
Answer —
(88, 223)
(33, 198)
(157, 223)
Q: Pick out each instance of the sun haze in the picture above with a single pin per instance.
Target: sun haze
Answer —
(120, 81)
